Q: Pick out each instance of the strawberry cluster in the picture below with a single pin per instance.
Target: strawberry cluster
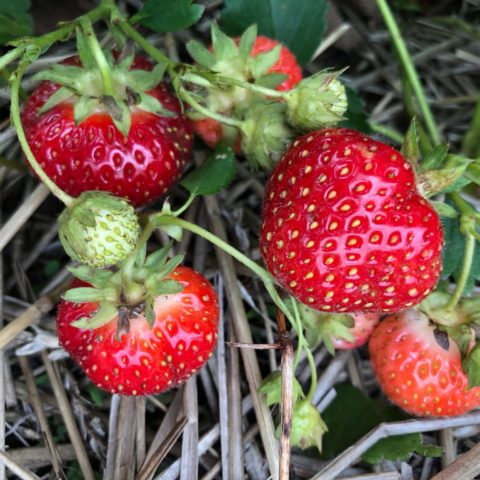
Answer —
(347, 230)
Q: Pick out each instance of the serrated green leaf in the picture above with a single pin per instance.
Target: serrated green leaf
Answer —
(61, 95)
(84, 294)
(410, 148)
(200, 54)
(435, 158)
(355, 115)
(169, 267)
(299, 25)
(247, 40)
(444, 209)
(83, 108)
(15, 21)
(106, 313)
(271, 80)
(350, 416)
(158, 258)
(224, 47)
(151, 104)
(213, 175)
(261, 63)
(168, 15)
(400, 448)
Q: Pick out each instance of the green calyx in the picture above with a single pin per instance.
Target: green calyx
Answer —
(317, 101)
(272, 388)
(103, 84)
(266, 135)
(116, 291)
(99, 229)
(232, 59)
(325, 327)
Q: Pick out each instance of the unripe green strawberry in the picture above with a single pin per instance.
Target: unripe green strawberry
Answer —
(99, 229)
(266, 134)
(317, 101)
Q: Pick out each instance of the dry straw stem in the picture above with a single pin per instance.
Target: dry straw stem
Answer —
(22, 214)
(465, 467)
(68, 418)
(244, 335)
(17, 469)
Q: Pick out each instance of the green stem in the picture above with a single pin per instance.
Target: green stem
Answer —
(388, 132)
(313, 368)
(160, 219)
(102, 64)
(471, 141)
(410, 70)
(139, 39)
(184, 207)
(301, 338)
(10, 56)
(203, 82)
(208, 113)
(467, 225)
(17, 122)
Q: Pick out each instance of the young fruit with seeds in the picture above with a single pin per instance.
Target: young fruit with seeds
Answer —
(344, 228)
(419, 367)
(250, 58)
(98, 229)
(133, 144)
(140, 347)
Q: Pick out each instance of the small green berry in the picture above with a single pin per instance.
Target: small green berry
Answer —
(266, 135)
(317, 101)
(99, 229)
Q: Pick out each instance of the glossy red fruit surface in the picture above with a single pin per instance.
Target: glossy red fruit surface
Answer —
(94, 155)
(361, 331)
(146, 360)
(418, 370)
(286, 64)
(344, 228)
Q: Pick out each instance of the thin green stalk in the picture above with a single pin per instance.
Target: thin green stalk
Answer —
(208, 113)
(313, 368)
(17, 122)
(467, 225)
(139, 39)
(102, 64)
(471, 141)
(10, 56)
(388, 132)
(301, 338)
(410, 70)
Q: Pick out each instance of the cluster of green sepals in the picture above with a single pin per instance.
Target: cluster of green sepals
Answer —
(239, 86)
(103, 82)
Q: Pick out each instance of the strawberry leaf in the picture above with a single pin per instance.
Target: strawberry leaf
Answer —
(213, 175)
(158, 258)
(434, 159)
(247, 40)
(84, 294)
(444, 209)
(168, 15)
(142, 80)
(224, 47)
(400, 448)
(83, 108)
(15, 21)
(151, 104)
(61, 95)
(271, 80)
(355, 115)
(165, 287)
(97, 277)
(299, 25)
(261, 63)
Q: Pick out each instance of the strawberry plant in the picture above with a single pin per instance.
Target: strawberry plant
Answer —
(361, 242)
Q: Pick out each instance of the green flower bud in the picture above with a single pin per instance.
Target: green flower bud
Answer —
(308, 427)
(266, 135)
(317, 101)
(99, 229)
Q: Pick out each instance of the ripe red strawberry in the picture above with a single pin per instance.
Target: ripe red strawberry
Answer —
(364, 323)
(211, 131)
(418, 369)
(344, 228)
(146, 360)
(95, 155)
